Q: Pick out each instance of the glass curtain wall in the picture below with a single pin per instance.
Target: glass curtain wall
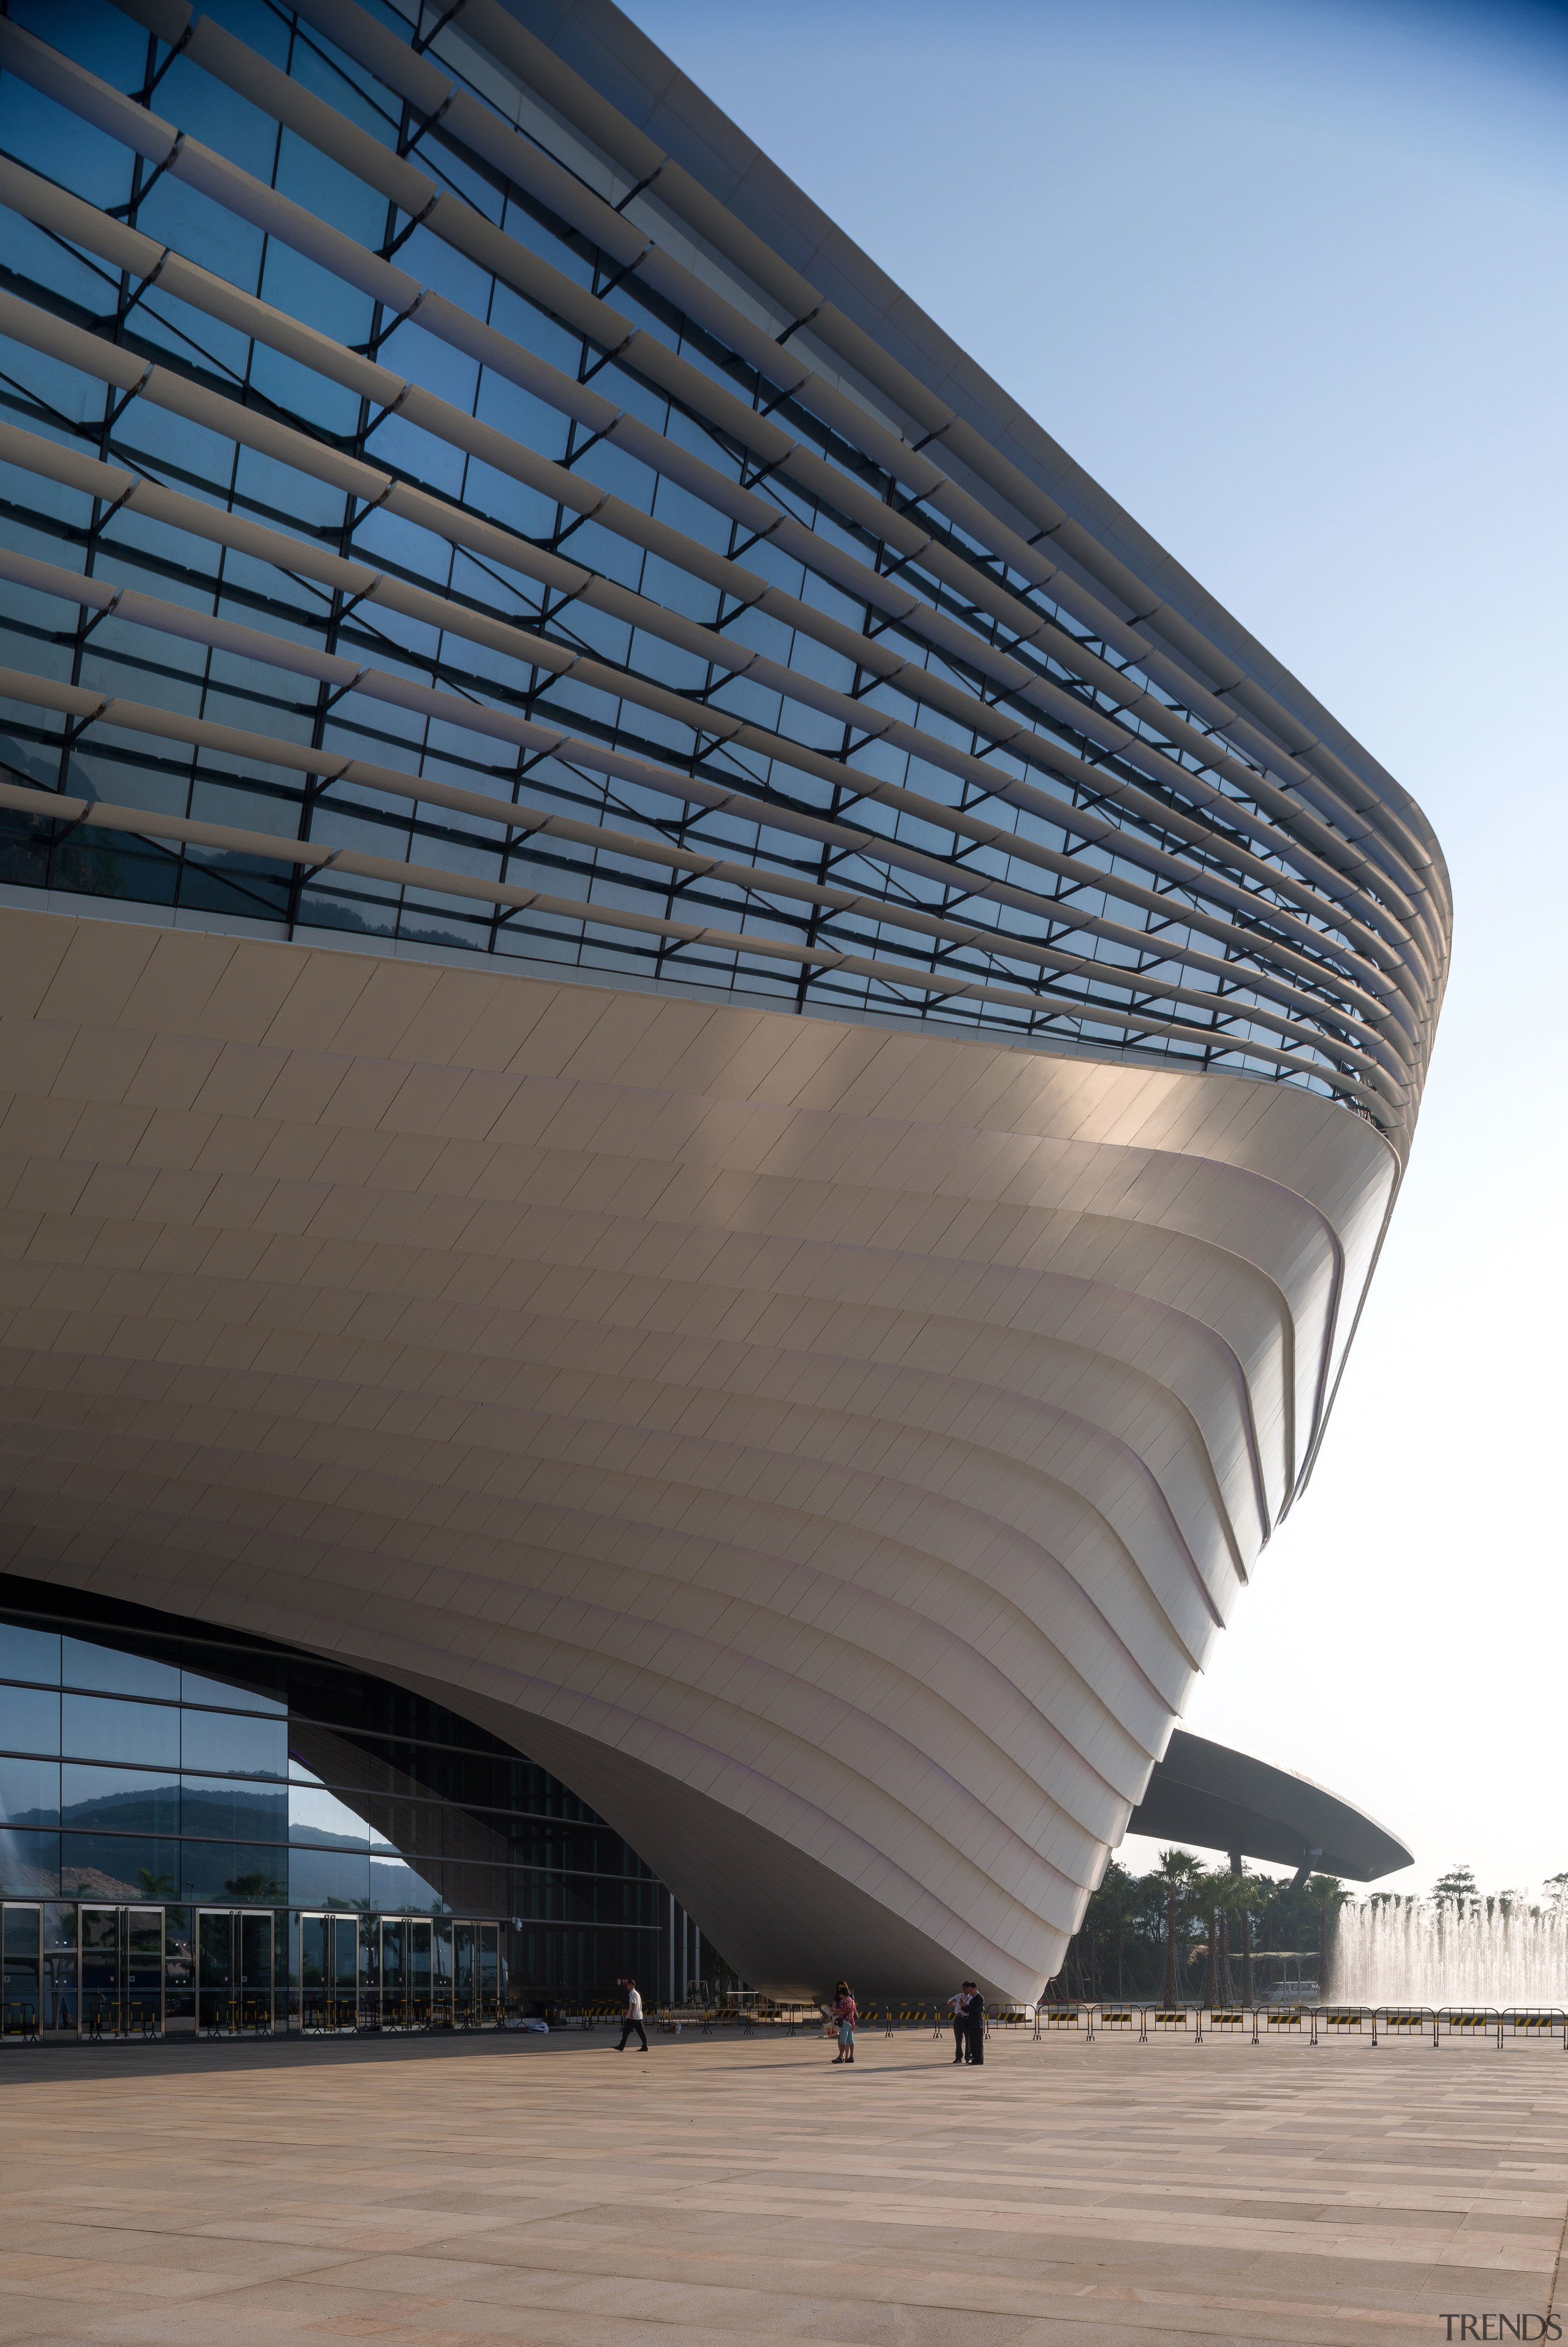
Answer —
(204, 1832)
(394, 481)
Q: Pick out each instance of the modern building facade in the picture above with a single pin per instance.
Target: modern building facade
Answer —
(697, 1066)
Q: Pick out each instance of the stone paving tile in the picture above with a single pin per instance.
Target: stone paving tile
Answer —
(539, 2194)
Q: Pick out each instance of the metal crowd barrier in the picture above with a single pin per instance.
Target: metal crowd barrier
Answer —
(233, 2016)
(1312, 2025)
(372, 2011)
(115, 2018)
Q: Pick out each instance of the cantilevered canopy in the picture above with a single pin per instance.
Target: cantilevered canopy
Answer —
(1205, 1793)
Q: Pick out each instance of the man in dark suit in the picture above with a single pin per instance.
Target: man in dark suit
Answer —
(975, 2026)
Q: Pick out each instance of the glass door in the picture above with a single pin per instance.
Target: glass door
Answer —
(102, 1978)
(179, 1974)
(441, 1980)
(62, 2001)
(464, 1975)
(346, 1970)
(329, 1973)
(418, 1962)
(315, 1973)
(143, 1970)
(21, 1994)
(394, 1973)
(255, 1936)
(215, 2011)
(489, 1955)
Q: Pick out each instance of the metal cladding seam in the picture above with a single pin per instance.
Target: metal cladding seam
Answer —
(816, 1413)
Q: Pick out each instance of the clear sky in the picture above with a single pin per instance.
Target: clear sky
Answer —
(1292, 282)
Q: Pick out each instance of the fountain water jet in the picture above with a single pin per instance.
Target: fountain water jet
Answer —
(1396, 1952)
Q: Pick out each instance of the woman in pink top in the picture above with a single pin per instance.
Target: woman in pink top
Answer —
(845, 2014)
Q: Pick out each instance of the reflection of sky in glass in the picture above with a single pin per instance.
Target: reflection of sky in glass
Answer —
(223, 1742)
(96, 1728)
(30, 1792)
(29, 1719)
(223, 1698)
(85, 1664)
(317, 1817)
(29, 1653)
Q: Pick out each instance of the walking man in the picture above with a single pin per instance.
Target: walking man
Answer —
(975, 2026)
(955, 2008)
(634, 2018)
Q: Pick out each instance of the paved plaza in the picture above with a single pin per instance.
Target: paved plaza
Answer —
(555, 2193)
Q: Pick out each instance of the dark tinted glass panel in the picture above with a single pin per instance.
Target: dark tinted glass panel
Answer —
(322, 1878)
(478, 1889)
(29, 1719)
(20, 1989)
(120, 1800)
(179, 1964)
(316, 1759)
(29, 1792)
(220, 1697)
(410, 1829)
(27, 1653)
(118, 1866)
(394, 1886)
(222, 1741)
(215, 1951)
(85, 1664)
(220, 1809)
(255, 1952)
(244, 1874)
(29, 1864)
(95, 1727)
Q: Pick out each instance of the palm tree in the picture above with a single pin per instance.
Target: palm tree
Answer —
(1173, 1878)
(1255, 1895)
(1208, 1893)
(1115, 1901)
(1247, 1895)
(256, 1888)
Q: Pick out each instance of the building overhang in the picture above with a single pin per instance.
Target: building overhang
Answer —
(1223, 1799)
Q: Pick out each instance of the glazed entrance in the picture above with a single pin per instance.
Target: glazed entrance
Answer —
(403, 1972)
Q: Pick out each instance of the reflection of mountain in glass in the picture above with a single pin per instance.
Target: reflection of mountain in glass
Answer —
(230, 1814)
(235, 1812)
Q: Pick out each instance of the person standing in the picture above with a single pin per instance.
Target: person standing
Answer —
(845, 2014)
(956, 2009)
(975, 2026)
(634, 2018)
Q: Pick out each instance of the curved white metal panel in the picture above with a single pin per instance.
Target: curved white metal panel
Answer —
(832, 1450)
